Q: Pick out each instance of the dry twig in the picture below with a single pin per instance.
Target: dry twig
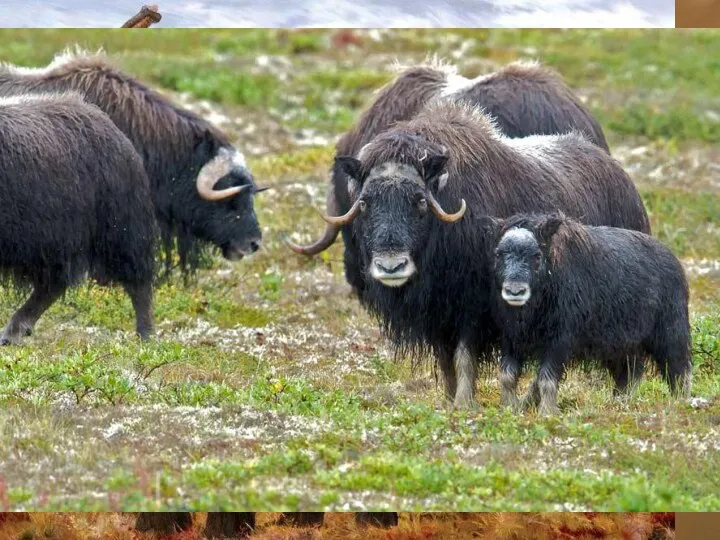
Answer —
(147, 16)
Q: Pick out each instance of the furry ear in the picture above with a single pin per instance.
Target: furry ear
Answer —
(490, 229)
(490, 225)
(433, 166)
(206, 144)
(548, 227)
(349, 165)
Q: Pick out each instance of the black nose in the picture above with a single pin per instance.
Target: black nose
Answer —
(254, 246)
(392, 265)
(515, 289)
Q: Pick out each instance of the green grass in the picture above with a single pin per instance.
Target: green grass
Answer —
(270, 388)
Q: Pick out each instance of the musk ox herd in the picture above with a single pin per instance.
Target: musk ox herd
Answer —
(484, 220)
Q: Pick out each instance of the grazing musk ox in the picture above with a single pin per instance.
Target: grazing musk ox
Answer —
(426, 280)
(525, 98)
(201, 186)
(562, 289)
(75, 201)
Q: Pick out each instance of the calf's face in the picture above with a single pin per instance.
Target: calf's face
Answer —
(393, 212)
(518, 261)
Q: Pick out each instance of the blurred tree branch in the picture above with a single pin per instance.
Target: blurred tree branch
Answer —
(147, 16)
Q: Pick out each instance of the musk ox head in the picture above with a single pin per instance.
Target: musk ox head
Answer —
(521, 256)
(226, 214)
(394, 207)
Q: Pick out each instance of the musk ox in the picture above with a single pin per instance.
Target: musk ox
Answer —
(76, 202)
(525, 98)
(201, 186)
(241, 524)
(562, 290)
(418, 189)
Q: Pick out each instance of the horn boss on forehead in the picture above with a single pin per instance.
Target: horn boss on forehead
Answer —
(216, 169)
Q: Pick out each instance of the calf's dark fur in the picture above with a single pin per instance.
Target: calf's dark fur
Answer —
(563, 290)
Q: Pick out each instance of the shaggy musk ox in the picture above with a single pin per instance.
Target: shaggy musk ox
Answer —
(562, 289)
(75, 201)
(418, 189)
(201, 187)
(525, 99)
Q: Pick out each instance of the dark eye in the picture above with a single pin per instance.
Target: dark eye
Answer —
(363, 206)
(536, 259)
(422, 203)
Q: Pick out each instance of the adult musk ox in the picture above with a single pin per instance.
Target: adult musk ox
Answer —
(201, 186)
(562, 289)
(525, 99)
(418, 189)
(75, 201)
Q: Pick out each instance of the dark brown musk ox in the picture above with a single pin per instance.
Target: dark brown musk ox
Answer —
(564, 290)
(418, 189)
(201, 186)
(241, 524)
(75, 202)
(524, 97)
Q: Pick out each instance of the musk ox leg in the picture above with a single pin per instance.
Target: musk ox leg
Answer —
(302, 519)
(627, 372)
(447, 368)
(466, 371)
(673, 357)
(141, 297)
(510, 371)
(229, 524)
(378, 519)
(544, 389)
(548, 381)
(23, 322)
(163, 522)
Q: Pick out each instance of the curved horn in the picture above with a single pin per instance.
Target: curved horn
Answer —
(441, 214)
(345, 218)
(210, 174)
(329, 235)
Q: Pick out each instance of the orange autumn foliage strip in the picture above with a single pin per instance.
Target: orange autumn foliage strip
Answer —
(337, 526)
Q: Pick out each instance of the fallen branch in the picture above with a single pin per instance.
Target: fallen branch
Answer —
(147, 16)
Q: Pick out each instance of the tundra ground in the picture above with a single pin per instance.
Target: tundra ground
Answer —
(269, 388)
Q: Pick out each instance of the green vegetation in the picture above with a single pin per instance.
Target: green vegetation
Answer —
(270, 388)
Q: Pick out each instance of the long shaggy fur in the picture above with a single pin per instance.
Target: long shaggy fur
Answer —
(173, 142)
(524, 99)
(75, 196)
(611, 294)
(449, 301)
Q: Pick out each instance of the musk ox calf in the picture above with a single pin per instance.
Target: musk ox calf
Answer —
(418, 189)
(200, 184)
(75, 202)
(562, 290)
(525, 98)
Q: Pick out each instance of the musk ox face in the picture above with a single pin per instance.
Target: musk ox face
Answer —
(521, 258)
(392, 214)
(394, 220)
(518, 259)
(228, 217)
